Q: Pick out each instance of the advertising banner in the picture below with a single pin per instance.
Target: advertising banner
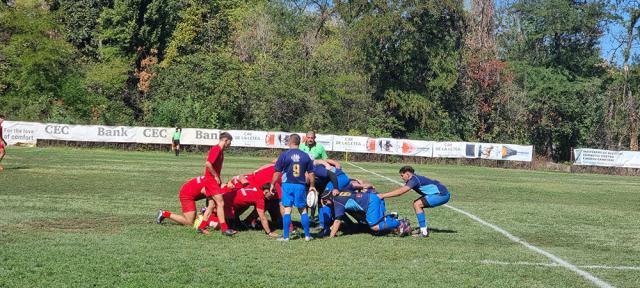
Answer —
(416, 148)
(598, 157)
(454, 150)
(245, 138)
(154, 135)
(354, 144)
(280, 139)
(116, 134)
(509, 152)
(198, 136)
(20, 132)
(53, 131)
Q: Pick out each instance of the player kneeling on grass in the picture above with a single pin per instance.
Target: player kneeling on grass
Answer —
(237, 201)
(432, 194)
(190, 192)
(367, 208)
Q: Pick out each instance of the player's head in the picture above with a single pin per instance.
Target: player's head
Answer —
(225, 139)
(268, 195)
(294, 140)
(310, 138)
(326, 197)
(1, 118)
(406, 172)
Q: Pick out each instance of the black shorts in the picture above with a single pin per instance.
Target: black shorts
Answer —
(176, 142)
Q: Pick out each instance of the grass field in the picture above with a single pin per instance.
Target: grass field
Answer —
(71, 217)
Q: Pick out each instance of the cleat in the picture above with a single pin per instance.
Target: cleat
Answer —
(202, 231)
(405, 228)
(159, 218)
(308, 238)
(229, 232)
(282, 239)
(394, 214)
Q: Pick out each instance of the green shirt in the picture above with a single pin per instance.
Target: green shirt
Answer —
(176, 135)
(316, 152)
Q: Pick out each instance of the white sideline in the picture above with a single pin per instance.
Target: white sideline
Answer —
(605, 267)
(595, 280)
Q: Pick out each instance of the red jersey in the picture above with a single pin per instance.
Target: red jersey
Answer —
(244, 197)
(193, 188)
(215, 157)
(263, 175)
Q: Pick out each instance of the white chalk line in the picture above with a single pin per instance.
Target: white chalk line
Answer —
(559, 261)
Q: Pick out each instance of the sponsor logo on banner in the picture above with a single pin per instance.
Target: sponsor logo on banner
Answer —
(154, 135)
(119, 134)
(195, 136)
(416, 148)
(20, 132)
(451, 149)
(243, 138)
(280, 139)
(388, 146)
(354, 144)
(52, 131)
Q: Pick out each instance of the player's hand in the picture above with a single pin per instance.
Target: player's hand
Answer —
(335, 192)
(313, 189)
(218, 180)
(273, 234)
(272, 189)
(381, 196)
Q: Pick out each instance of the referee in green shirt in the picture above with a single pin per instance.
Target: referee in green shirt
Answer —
(314, 149)
(176, 140)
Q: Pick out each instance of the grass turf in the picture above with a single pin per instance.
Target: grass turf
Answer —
(71, 217)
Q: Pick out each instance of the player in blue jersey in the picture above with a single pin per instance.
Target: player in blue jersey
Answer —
(367, 208)
(432, 194)
(294, 165)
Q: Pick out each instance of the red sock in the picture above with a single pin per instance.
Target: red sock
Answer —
(223, 226)
(204, 224)
(291, 227)
(166, 214)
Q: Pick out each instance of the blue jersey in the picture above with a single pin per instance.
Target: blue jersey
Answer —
(353, 203)
(293, 164)
(321, 172)
(425, 186)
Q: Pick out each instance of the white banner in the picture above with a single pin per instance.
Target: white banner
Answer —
(454, 150)
(416, 148)
(15, 132)
(53, 131)
(155, 135)
(504, 152)
(598, 157)
(354, 144)
(244, 138)
(28, 132)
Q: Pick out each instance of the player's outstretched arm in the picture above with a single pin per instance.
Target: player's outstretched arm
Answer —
(334, 163)
(395, 193)
(265, 223)
(334, 228)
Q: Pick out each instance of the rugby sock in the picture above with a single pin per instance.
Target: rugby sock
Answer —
(286, 222)
(223, 226)
(204, 224)
(421, 220)
(305, 224)
(388, 224)
(166, 214)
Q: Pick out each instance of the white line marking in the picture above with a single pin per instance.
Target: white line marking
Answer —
(595, 280)
(493, 262)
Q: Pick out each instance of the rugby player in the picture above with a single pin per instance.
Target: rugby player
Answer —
(213, 167)
(367, 208)
(190, 192)
(432, 194)
(294, 165)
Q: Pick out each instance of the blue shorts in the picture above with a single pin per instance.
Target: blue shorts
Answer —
(343, 182)
(375, 210)
(294, 195)
(435, 200)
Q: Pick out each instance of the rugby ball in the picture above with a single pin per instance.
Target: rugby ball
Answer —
(312, 198)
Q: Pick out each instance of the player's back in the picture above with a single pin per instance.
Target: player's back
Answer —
(427, 186)
(293, 164)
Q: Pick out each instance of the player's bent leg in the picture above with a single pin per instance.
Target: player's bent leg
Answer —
(186, 219)
(220, 212)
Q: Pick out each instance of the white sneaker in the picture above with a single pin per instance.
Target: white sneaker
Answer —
(281, 239)
(308, 238)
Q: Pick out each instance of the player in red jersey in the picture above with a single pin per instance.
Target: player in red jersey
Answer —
(239, 200)
(190, 192)
(213, 167)
(2, 142)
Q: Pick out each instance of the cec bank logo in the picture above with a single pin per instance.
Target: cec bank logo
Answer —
(295, 158)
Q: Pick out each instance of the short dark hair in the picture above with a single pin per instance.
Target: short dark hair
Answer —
(2, 116)
(265, 186)
(295, 139)
(407, 168)
(226, 135)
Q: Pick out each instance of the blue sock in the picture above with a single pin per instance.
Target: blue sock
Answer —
(388, 224)
(305, 224)
(286, 222)
(421, 221)
(325, 217)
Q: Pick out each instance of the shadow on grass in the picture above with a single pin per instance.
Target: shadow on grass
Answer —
(437, 230)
